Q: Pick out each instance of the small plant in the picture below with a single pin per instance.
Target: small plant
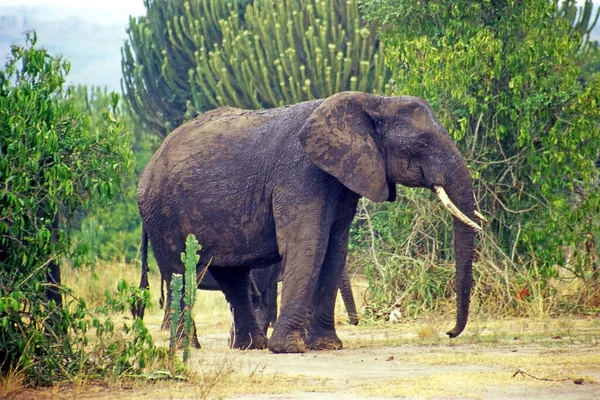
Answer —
(190, 260)
(175, 312)
(427, 332)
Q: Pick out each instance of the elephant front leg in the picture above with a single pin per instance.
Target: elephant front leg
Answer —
(321, 334)
(301, 265)
(235, 284)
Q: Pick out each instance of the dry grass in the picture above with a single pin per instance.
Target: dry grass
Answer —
(210, 306)
(446, 385)
(10, 382)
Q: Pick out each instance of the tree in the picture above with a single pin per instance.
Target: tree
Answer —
(506, 80)
(188, 56)
(115, 232)
(52, 162)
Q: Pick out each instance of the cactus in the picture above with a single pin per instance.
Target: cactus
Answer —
(287, 52)
(158, 54)
(175, 313)
(190, 260)
(188, 56)
(581, 18)
(178, 284)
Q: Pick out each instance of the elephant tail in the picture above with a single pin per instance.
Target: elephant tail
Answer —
(138, 308)
(161, 301)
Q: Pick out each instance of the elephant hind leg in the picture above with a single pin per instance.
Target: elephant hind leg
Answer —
(235, 284)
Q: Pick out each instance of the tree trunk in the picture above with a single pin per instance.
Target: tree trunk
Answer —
(53, 272)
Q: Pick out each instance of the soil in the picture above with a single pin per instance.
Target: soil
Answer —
(508, 359)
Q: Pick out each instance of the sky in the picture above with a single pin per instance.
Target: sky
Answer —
(89, 33)
(111, 11)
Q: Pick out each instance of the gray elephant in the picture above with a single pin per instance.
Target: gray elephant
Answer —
(282, 185)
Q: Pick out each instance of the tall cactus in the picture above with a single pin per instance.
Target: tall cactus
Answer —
(582, 18)
(220, 52)
(158, 54)
(289, 51)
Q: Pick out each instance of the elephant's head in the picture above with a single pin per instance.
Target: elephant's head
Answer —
(370, 143)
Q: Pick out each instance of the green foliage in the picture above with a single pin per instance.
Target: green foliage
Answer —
(175, 313)
(55, 159)
(112, 233)
(188, 56)
(130, 350)
(83, 342)
(52, 160)
(505, 79)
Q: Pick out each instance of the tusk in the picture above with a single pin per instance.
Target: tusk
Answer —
(480, 216)
(477, 213)
(441, 193)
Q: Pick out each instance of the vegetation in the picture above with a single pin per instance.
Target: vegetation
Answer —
(111, 233)
(54, 160)
(506, 80)
(190, 259)
(189, 56)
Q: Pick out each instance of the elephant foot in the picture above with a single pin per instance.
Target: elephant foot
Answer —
(248, 342)
(323, 341)
(290, 343)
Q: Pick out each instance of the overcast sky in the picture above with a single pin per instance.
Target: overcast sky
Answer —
(89, 33)
(113, 11)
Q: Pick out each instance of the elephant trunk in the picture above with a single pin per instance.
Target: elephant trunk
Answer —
(460, 191)
(348, 297)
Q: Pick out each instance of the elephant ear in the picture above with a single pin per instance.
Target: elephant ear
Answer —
(338, 138)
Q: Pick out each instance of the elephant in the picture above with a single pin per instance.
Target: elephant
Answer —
(259, 187)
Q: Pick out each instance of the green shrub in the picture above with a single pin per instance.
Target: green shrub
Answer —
(512, 83)
(55, 161)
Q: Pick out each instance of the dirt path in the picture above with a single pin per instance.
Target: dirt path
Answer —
(371, 368)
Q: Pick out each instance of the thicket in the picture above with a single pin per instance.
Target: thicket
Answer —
(514, 84)
(54, 161)
(189, 56)
(111, 233)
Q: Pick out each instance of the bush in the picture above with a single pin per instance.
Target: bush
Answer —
(512, 82)
(111, 233)
(54, 160)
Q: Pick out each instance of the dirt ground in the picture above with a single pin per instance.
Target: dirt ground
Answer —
(493, 359)
(372, 367)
